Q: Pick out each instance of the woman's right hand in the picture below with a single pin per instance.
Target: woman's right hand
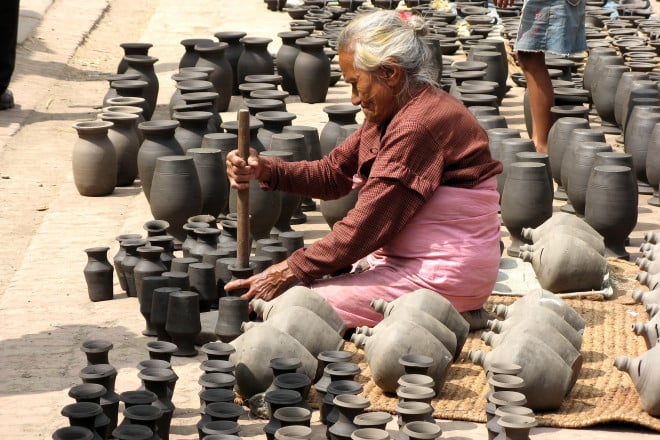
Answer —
(240, 171)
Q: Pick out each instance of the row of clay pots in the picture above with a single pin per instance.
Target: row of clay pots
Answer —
(640, 368)
(543, 335)
(422, 322)
(650, 330)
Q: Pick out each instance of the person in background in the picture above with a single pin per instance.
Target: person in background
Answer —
(555, 26)
(426, 214)
(8, 36)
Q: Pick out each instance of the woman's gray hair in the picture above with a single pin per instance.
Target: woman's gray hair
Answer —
(377, 38)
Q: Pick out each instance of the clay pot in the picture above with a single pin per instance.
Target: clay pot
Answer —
(94, 160)
(232, 53)
(591, 66)
(213, 55)
(159, 304)
(167, 243)
(650, 331)
(326, 358)
(307, 327)
(98, 274)
(559, 219)
(526, 200)
(602, 96)
(508, 150)
(312, 70)
(641, 122)
(544, 298)
(218, 350)
(106, 375)
(211, 172)
(641, 370)
(646, 297)
(175, 194)
(386, 346)
(568, 265)
(558, 138)
(265, 209)
(651, 281)
(611, 206)
(158, 141)
(125, 139)
(83, 415)
(516, 427)
(255, 348)
(144, 65)
(373, 420)
(148, 265)
(304, 297)
(156, 380)
(348, 406)
(412, 411)
(294, 432)
(129, 261)
(96, 351)
(578, 170)
(202, 282)
(74, 433)
(547, 377)
(149, 284)
(232, 312)
(496, 136)
(286, 57)
(255, 59)
(338, 115)
(370, 434)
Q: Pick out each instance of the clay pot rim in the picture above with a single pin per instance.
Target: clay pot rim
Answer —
(416, 360)
(273, 115)
(256, 41)
(342, 109)
(230, 35)
(143, 412)
(507, 398)
(87, 391)
(155, 363)
(283, 397)
(415, 379)
(81, 409)
(157, 374)
(344, 387)
(217, 380)
(140, 59)
(263, 78)
(90, 348)
(509, 381)
(161, 347)
(292, 414)
(193, 41)
(351, 401)
(118, 116)
(97, 371)
(157, 125)
(370, 433)
(299, 431)
(517, 421)
(74, 432)
(373, 418)
(514, 410)
(415, 392)
(129, 84)
(125, 108)
(144, 397)
(294, 380)
(211, 46)
(227, 409)
(285, 362)
(421, 430)
(136, 45)
(94, 125)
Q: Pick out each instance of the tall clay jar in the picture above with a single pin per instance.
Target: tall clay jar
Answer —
(94, 159)
(232, 53)
(212, 176)
(158, 141)
(611, 206)
(255, 59)
(175, 193)
(132, 49)
(183, 323)
(311, 70)
(213, 55)
(192, 128)
(338, 116)
(286, 58)
(144, 65)
(119, 256)
(148, 265)
(190, 56)
(98, 274)
(125, 139)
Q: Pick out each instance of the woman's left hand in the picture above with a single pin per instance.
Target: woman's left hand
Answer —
(265, 285)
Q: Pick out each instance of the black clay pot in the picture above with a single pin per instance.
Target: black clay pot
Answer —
(232, 53)
(144, 65)
(255, 59)
(213, 55)
(183, 322)
(558, 137)
(159, 305)
(579, 170)
(158, 141)
(98, 274)
(157, 380)
(286, 58)
(106, 375)
(575, 139)
(232, 312)
(338, 115)
(312, 70)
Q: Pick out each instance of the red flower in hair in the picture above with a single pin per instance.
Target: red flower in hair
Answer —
(405, 15)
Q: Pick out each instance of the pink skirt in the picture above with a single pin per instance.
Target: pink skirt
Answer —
(451, 246)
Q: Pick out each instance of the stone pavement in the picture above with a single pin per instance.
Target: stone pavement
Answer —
(44, 309)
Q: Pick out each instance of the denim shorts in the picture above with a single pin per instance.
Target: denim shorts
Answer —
(555, 26)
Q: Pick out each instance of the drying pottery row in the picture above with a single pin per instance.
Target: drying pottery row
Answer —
(543, 335)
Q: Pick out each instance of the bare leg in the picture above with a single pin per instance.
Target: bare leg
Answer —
(541, 98)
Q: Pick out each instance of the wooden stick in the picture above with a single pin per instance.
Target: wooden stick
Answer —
(243, 207)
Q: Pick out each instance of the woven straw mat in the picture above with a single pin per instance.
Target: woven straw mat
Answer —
(602, 393)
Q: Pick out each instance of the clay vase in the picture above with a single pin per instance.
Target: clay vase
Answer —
(313, 142)
(642, 92)
(508, 150)
(136, 48)
(193, 125)
(559, 219)
(159, 304)
(83, 414)
(255, 125)
(546, 376)
(496, 136)
(255, 348)
(94, 160)
(202, 282)
(255, 59)
(106, 375)
(591, 68)
(622, 94)
(175, 192)
(213, 55)
(144, 65)
(212, 175)
(432, 303)
(98, 274)
(286, 57)
(546, 299)
(183, 323)
(567, 265)
(388, 344)
(348, 406)
(76, 433)
(265, 209)
(577, 137)
(96, 351)
(579, 169)
(650, 331)
(290, 214)
(307, 327)
(129, 92)
(156, 380)
(144, 416)
(167, 243)
(128, 263)
(652, 281)
(558, 137)
(148, 265)
(641, 370)
(158, 141)
(653, 164)
(526, 200)
(311, 70)
(121, 253)
(124, 138)
(611, 206)
(602, 95)
(300, 296)
(420, 317)
(232, 54)
(646, 297)
(273, 122)
(149, 284)
(233, 311)
(217, 350)
(338, 115)
(641, 122)
(190, 56)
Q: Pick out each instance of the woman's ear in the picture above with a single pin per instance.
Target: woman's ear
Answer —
(392, 74)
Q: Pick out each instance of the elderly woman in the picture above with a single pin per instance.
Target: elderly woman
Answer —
(426, 214)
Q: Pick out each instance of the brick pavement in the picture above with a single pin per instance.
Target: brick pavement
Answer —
(43, 303)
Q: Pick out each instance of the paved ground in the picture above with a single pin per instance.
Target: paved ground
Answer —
(44, 309)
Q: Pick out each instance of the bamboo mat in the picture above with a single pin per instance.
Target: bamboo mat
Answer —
(602, 393)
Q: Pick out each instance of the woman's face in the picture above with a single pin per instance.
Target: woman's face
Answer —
(370, 90)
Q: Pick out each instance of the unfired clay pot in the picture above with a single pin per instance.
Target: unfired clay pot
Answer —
(642, 371)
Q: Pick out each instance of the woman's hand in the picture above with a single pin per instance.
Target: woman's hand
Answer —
(240, 171)
(267, 284)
